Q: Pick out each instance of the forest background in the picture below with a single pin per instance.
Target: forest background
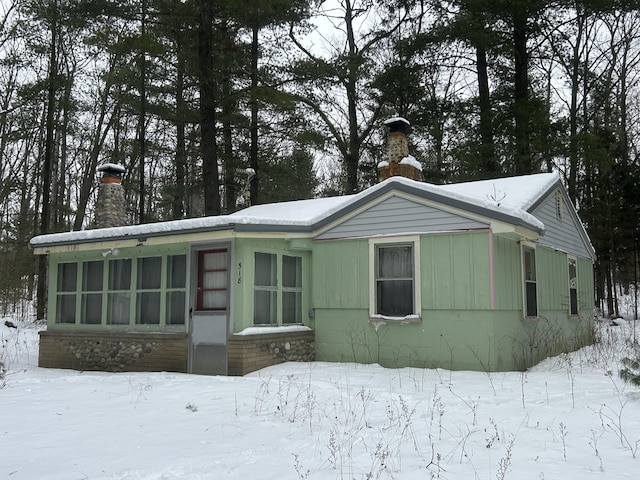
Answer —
(190, 94)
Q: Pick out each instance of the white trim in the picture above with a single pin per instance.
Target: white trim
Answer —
(531, 246)
(417, 283)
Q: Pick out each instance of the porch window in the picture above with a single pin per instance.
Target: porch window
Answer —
(265, 302)
(119, 296)
(394, 280)
(291, 289)
(66, 293)
(176, 289)
(92, 281)
(573, 287)
(149, 277)
(122, 291)
(530, 282)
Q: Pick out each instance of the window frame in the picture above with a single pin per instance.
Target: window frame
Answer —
(573, 312)
(66, 294)
(202, 271)
(278, 290)
(374, 247)
(527, 283)
(294, 291)
(110, 288)
(271, 289)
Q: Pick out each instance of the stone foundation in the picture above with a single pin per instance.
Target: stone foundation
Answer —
(248, 353)
(167, 352)
(114, 352)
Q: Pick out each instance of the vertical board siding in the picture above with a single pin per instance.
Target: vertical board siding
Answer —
(341, 274)
(564, 234)
(586, 291)
(553, 280)
(507, 273)
(455, 271)
(397, 215)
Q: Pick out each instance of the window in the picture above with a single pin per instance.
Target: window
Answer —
(176, 289)
(265, 297)
(92, 281)
(122, 291)
(394, 284)
(277, 291)
(559, 205)
(213, 279)
(573, 287)
(66, 293)
(530, 285)
(149, 279)
(119, 296)
(291, 289)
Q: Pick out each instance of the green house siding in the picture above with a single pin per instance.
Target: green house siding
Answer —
(458, 329)
(507, 274)
(457, 323)
(340, 275)
(455, 271)
(458, 340)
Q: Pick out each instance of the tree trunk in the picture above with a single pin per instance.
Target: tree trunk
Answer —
(490, 165)
(142, 137)
(352, 157)
(49, 150)
(180, 155)
(253, 152)
(521, 114)
(207, 110)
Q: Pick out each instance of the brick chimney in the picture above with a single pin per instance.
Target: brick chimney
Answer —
(398, 162)
(111, 207)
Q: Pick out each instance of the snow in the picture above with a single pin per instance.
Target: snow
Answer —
(111, 166)
(511, 196)
(263, 330)
(516, 192)
(411, 160)
(396, 119)
(569, 417)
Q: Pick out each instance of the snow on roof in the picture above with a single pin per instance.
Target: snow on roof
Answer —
(516, 192)
(509, 196)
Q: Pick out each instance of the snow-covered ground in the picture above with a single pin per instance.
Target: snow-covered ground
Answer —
(568, 418)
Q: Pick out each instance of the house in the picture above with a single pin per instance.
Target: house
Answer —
(489, 275)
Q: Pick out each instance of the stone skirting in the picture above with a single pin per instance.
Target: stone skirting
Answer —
(248, 353)
(114, 352)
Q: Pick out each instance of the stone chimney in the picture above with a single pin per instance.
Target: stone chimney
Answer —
(111, 207)
(398, 162)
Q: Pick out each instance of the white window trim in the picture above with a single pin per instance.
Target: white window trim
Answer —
(417, 302)
(532, 246)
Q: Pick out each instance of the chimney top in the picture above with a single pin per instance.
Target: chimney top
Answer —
(398, 161)
(397, 124)
(111, 172)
